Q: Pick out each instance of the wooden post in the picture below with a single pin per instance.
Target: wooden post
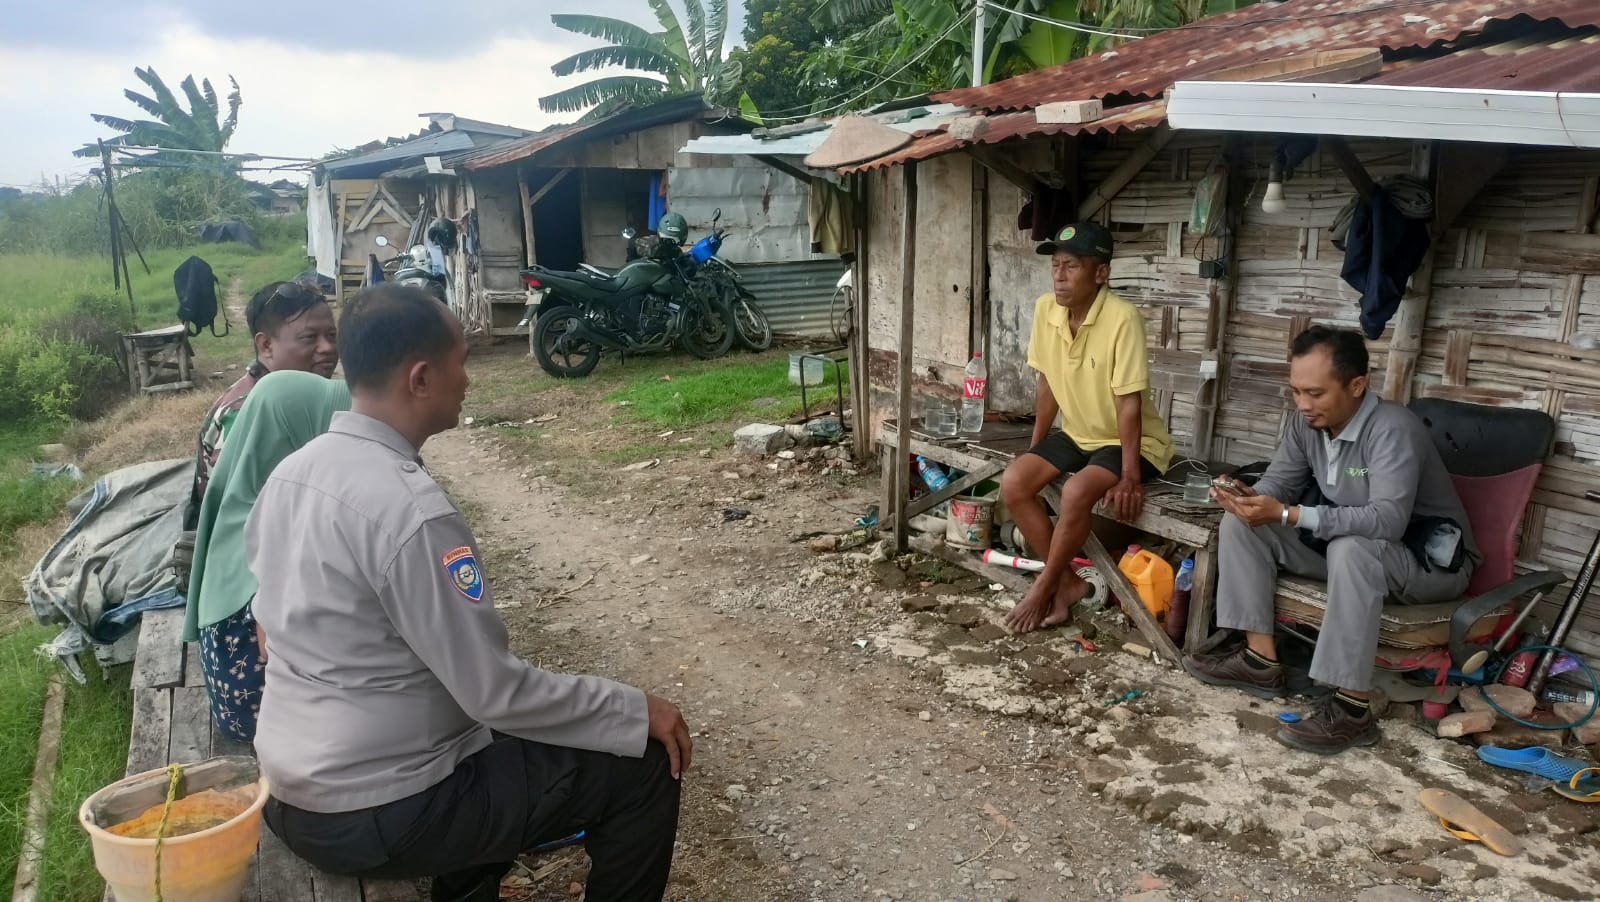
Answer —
(979, 316)
(527, 216)
(1125, 172)
(1222, 300)
(860, 375)
(908, 279)
(1405, 339)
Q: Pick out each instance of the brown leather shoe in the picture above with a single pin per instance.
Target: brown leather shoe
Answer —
(1330, 729)
(1232, 671)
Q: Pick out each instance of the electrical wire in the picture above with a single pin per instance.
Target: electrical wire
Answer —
(1070, 26)
(810, 111)
(1131, 30)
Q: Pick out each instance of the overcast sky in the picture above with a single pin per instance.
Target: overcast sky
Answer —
(315, 74)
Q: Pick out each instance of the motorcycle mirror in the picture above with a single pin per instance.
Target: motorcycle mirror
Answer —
(629, 233)
(716, 215)
(381, 241)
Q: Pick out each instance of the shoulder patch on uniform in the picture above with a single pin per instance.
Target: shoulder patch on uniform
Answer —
(461, 565)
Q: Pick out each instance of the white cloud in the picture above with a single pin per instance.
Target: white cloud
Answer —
(297, 101)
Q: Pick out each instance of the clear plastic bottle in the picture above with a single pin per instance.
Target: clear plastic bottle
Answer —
(972, 392)
(1178, 612)
(933, 475)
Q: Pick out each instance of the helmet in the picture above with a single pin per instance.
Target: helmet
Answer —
(442, 232)
(673, 227)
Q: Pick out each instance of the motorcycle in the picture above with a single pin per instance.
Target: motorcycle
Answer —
(646, 306)
(415, 269)
(751, 328)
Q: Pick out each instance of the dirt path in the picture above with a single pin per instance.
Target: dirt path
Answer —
(833, 761)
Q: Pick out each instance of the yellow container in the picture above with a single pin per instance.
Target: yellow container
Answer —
(210, 837)
(1152, 578)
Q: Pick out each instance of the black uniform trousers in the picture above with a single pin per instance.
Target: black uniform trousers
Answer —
(466, 831)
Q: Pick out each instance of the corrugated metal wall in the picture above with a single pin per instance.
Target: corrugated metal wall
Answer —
(763, 210)
(795, 296)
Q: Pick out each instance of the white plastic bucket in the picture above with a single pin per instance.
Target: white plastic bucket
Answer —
(971, 519)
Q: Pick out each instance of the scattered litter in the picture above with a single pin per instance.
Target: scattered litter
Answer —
(860, 643)
(668, 434)
(1084, 645)
(996, 587)
(735, 792)
(925, 716)
(639, 560)
(1288, 717)
(642, 465)
(468, 421)
(1414, 19)
(730, 514)
(53, 471)
(1137, 650)
(1128, 696)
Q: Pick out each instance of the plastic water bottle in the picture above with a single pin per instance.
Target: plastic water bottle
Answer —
(1178, 612)
(972, 391)
(933, 475)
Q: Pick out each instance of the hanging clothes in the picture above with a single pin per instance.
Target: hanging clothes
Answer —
(829, 212)
(658, 200)
(1383, 248)
(1047, 212)
(322, 239)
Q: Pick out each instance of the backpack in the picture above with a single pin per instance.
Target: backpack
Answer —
(196, 286)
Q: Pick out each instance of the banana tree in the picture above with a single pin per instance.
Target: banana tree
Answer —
(200, 127)
(684, 57)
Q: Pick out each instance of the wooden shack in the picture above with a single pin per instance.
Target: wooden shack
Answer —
(1503, 311)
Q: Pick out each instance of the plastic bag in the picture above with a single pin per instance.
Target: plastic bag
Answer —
(1210, 199)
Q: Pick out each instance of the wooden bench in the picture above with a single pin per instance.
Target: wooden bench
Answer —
(985, 455)
(172, 722)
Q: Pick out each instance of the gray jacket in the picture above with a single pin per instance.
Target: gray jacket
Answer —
(387, 662)
(1382, 472)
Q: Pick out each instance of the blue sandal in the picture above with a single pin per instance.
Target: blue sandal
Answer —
(1538, 761)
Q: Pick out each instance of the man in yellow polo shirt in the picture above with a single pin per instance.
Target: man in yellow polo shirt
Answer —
(1094, 370)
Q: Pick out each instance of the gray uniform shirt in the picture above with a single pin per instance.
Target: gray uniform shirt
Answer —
(1381, 472)
(387, 663)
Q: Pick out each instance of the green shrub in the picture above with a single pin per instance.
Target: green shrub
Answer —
(54, 378)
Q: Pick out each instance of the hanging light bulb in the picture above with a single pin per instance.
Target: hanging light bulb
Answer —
(1272, 201)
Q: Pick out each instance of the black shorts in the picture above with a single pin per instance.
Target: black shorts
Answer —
(1061, 452)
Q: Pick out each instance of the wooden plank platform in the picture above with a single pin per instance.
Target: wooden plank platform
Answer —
(1165, 514)
(172, 722)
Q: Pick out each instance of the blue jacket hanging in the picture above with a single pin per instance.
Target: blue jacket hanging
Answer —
(1382, 250)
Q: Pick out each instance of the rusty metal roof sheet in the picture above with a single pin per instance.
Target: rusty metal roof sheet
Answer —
(1534, 62)
(1011, 126)
(677, 109)
(1150, 65)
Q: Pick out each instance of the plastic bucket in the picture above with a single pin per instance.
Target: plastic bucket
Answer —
(801, 369)
(211, 834)
(970, 520)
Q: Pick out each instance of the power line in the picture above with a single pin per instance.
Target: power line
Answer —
(1070, 26)
(809, 112)
(252, 157)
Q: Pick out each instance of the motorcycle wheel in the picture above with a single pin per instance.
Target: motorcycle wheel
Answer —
(752, 331)
(709, 331)
(573, 359)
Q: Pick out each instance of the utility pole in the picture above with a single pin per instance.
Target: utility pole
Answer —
(979, 10)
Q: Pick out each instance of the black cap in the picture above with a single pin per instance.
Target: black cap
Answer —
(1084, 239)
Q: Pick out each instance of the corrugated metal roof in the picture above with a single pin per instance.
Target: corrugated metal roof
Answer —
(806, 143)
(439, 143)
(1148, 66)
(1011, 126)
(1535, 62)
(677, 109)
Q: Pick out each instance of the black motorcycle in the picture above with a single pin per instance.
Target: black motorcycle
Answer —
(645, 307)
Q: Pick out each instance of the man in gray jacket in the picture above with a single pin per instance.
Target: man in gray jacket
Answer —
(400, 735)
(1389, 523)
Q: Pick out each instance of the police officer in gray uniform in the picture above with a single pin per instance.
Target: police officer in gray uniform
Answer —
(1388, 523)
(400, 735)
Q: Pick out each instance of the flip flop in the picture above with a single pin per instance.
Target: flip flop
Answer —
(1581, 788)
(1537, 760)
(1463, 819)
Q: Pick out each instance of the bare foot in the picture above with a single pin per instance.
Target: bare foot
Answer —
(1072, 590)
(1031, 611)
